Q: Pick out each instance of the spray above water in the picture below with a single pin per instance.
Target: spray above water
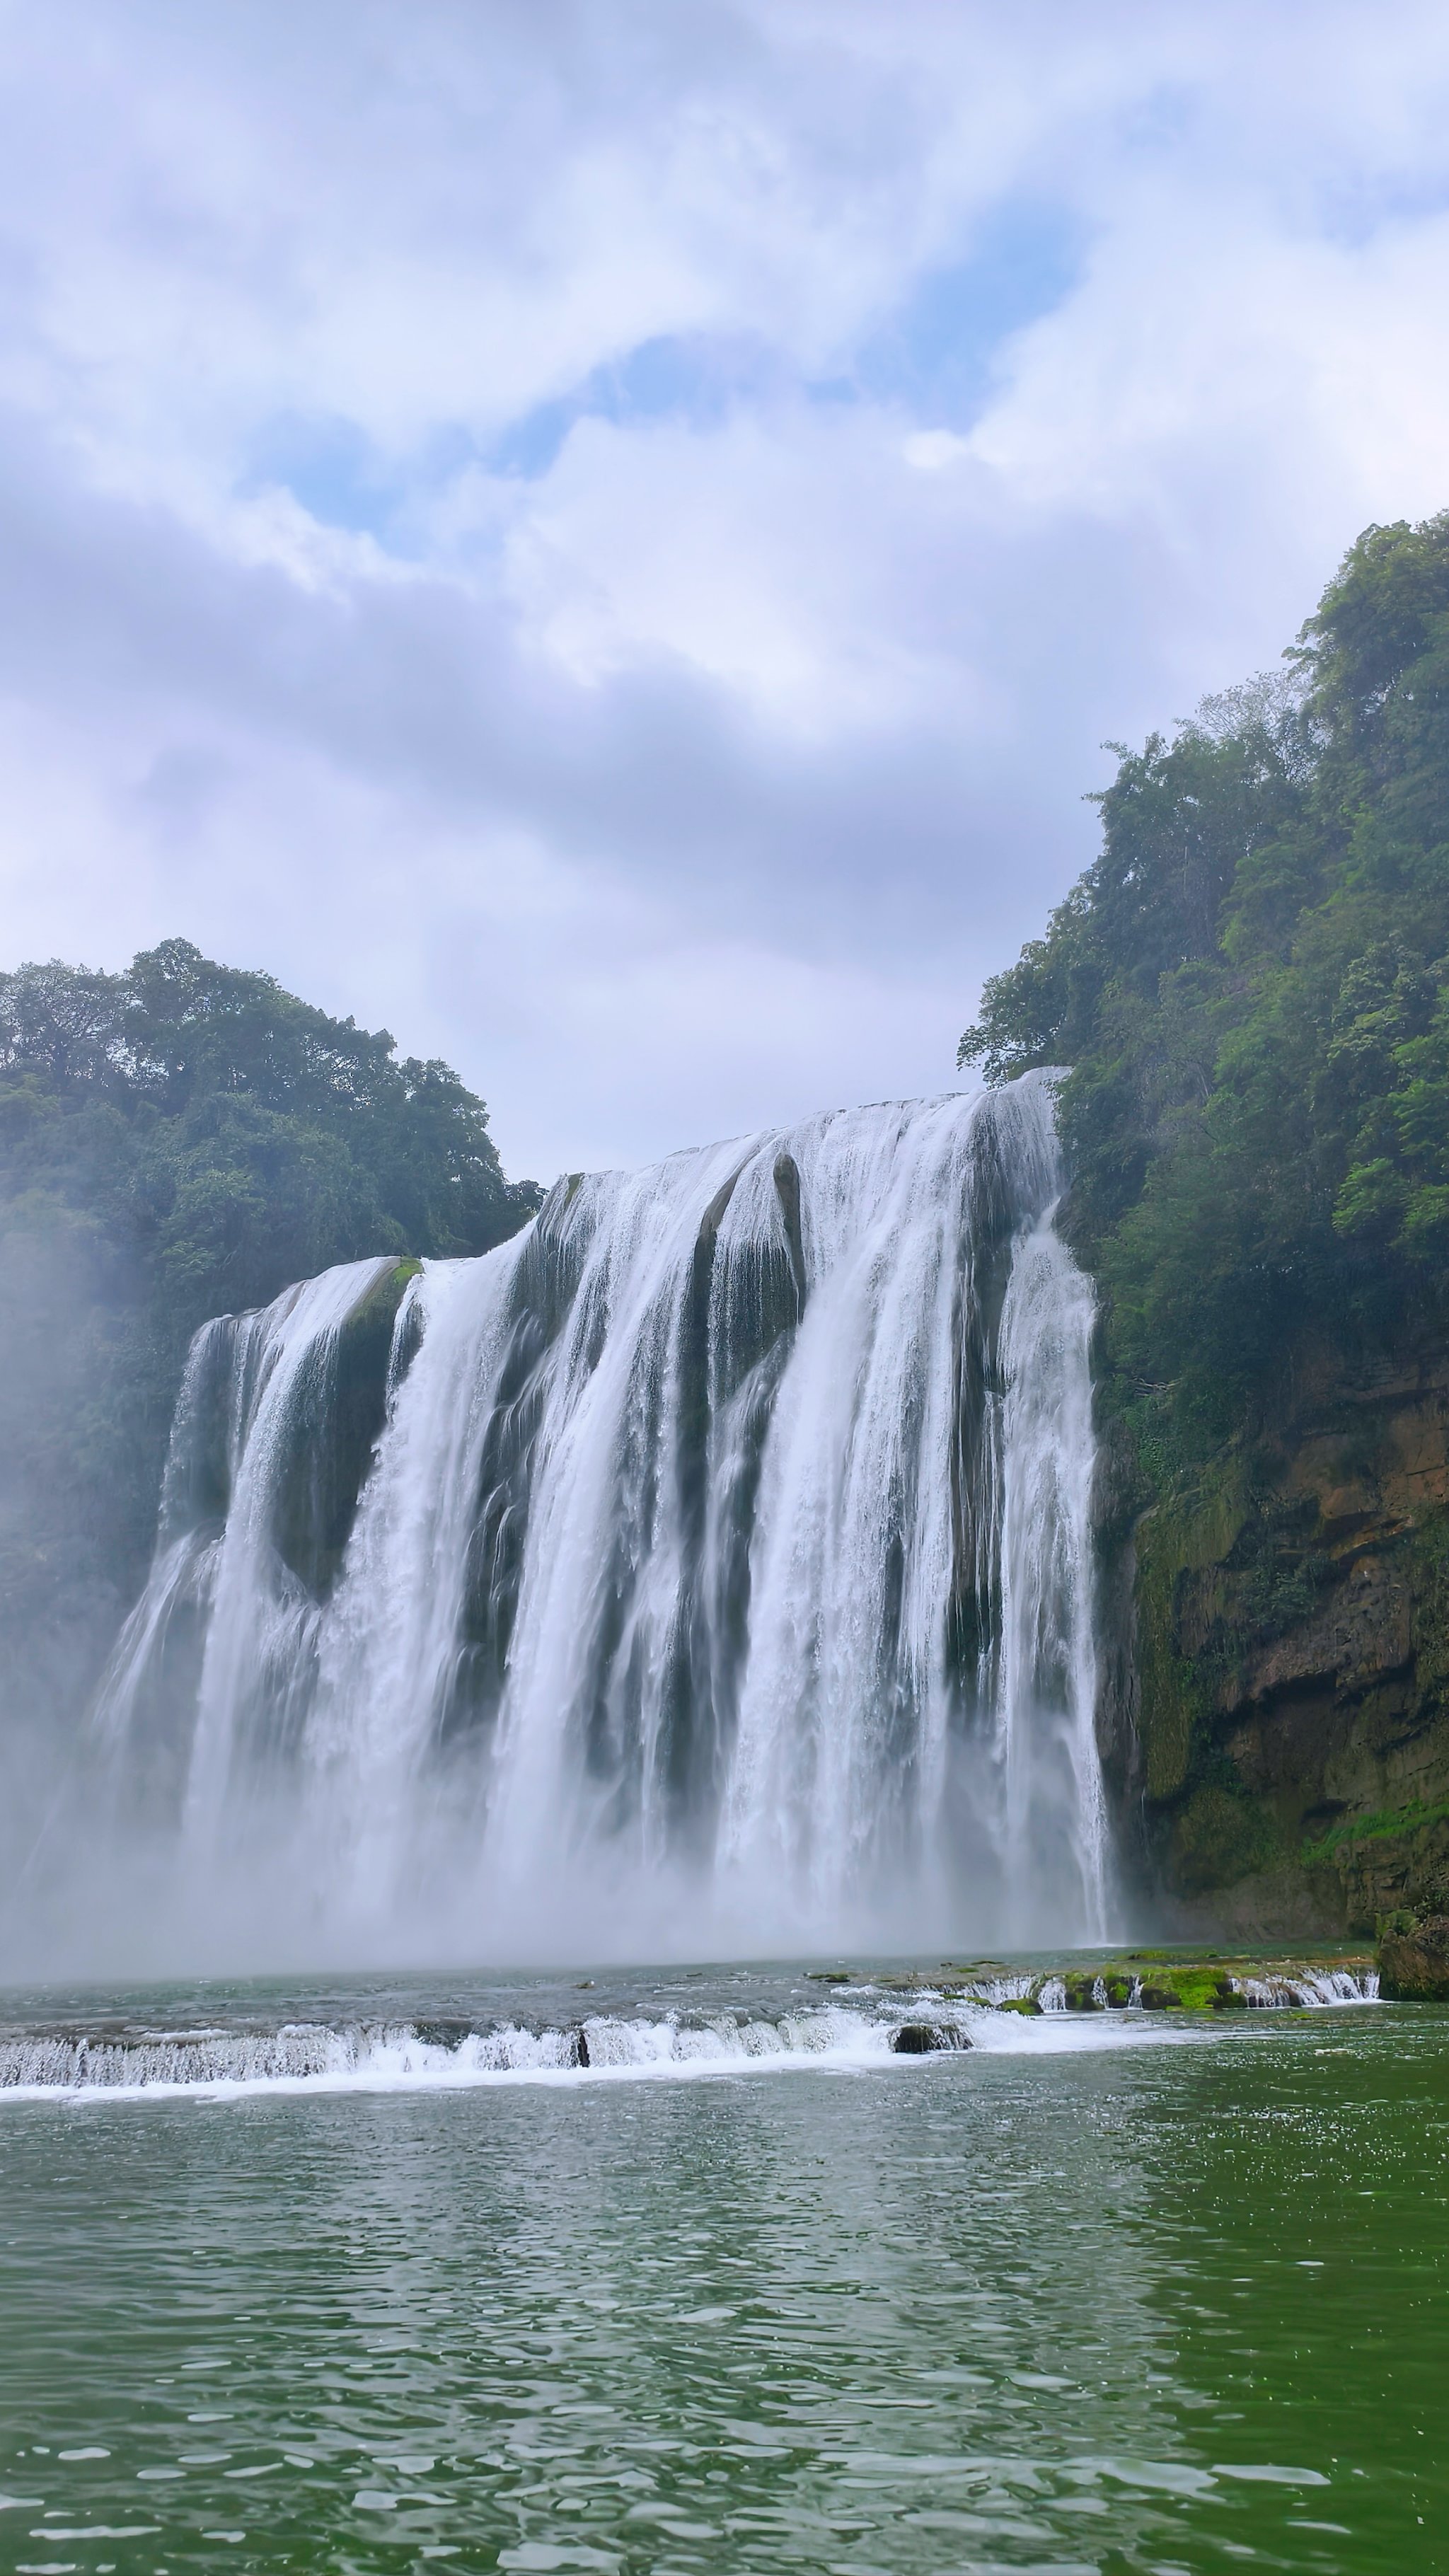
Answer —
(706, 1569)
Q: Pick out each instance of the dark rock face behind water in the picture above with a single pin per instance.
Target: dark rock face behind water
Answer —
(1277, 1666)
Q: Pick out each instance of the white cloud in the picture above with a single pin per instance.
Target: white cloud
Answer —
(701, 770)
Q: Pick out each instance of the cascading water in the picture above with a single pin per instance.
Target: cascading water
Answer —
(708, 1568)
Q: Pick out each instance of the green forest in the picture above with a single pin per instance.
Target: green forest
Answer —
(1250, 985)
(178, 1141)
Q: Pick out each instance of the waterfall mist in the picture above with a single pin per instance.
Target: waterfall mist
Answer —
(705, 1571)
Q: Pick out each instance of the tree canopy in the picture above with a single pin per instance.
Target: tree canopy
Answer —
(178, 1141)
(1250, 988)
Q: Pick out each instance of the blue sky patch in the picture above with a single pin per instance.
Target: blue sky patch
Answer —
(344, 480)
(691, 376)
(329, 464)
(936, 356)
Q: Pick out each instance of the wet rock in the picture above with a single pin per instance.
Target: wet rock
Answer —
(443, 2033)
(581, 2048)
(787, 1190)
(926, 2038)
(1160, 1999)
(1414, 1960)
(334, 1414)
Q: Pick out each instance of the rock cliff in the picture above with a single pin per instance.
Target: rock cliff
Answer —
(1277, 1704)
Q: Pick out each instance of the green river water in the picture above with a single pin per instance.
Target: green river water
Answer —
(1095, 2297)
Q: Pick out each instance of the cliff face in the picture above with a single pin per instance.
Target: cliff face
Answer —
(1278, 1701)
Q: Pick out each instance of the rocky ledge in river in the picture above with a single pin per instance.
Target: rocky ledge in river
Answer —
(1169, 1979)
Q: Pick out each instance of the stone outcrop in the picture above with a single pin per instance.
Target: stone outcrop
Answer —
(1414, 1960)
(927, 2038)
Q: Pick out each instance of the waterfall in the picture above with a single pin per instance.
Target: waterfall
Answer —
(706, 1569)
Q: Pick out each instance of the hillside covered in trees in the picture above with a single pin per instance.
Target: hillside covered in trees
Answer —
(178, 1141)
(1251, 988)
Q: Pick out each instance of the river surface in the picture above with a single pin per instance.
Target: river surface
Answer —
(1115, 2293)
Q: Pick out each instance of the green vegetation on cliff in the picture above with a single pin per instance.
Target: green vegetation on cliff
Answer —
(179, 1141)
(1251, 985)
(1251, 988)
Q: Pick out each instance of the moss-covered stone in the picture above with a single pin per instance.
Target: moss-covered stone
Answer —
(1292, 1647)
(1414, 1963)
(1181, 1535)
(1192, 1989)
(1387, 1824)
(927, 2039)
(1178, 1979)
(1219, 1836)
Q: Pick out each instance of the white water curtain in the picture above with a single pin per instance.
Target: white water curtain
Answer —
(722, 1577)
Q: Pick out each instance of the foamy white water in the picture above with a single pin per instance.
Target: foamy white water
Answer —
(636, 2026)
(720, 1576)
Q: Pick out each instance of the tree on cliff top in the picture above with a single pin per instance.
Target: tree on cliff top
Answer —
(1251, 986)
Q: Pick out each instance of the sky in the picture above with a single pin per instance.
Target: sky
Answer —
(607, 536)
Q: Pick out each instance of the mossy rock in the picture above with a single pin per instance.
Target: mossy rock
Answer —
(1180, 1536)
(1200, 1989)
(1414, 1965)
(1019, 2004)
(927, 2039)
(1219, 1837)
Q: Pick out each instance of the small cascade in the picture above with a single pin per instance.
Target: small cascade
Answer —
(708, 1566)
(1309, 1987)
(380, 2053)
